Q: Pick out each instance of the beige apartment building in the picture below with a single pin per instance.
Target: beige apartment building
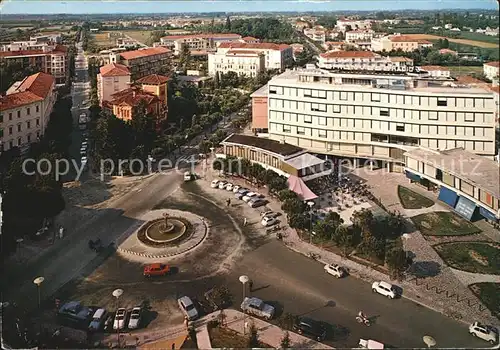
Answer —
(112, 78)
(197, 42)
(491, 70)
(363, 60)
(398, 42)
(378, 116)
(277, 56)
(359, 35)
(143, 62)
(25, 111)
(347, 24)
(243, 63)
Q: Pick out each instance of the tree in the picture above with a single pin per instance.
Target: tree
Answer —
(299, 220)
(397, 262)
(285, 341)
(344, 239)
(184, 57)
(253, 337)
(293, 206)
(228, 23)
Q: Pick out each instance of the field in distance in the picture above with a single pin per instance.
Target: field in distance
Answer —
(458, 41)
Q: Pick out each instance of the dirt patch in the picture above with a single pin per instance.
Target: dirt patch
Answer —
(458, 41)
(479, 258)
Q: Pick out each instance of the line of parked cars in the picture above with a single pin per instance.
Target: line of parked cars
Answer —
(253, 199)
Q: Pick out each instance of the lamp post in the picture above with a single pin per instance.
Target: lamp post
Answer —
(429, 341)
(310, 205)
(19, 241)
(38, 281)
(117, 293)
(244, 280)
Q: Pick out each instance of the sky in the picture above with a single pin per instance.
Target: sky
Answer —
(158, 6)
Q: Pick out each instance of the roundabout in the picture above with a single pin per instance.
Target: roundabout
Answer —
(165, 233)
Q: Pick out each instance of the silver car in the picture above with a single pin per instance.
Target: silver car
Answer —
(257, 307)
(188, 308)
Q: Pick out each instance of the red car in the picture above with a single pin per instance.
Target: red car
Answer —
(156, 270)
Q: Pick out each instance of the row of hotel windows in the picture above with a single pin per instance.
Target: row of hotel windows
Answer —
(368, 124)
(393, 98)
(253, 155)
(477, 146)
(19, 126)
(252, 67)
(28, 112)
(19, 141)
(382, 112)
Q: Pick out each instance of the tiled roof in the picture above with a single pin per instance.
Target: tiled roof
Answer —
(493, 64)
(59, 49)
(407, 38)
(348, 54)
(132, 97)
(249, 38)
(130, 55)
(153, 79)
(32, 89)
(114, 70)
(261, 46)
(334, 42)
(277, 147)
(434, 68)
(202, 36)
(243, 52)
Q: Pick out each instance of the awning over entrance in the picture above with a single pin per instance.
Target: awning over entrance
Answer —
(412, 176)
(298, 186)
(487, 214)
(448, 196)
(465, 208)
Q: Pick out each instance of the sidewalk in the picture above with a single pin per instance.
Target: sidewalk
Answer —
(141, 337)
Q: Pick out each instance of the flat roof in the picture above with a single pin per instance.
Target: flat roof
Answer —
(477, 170)
(304, 160)
(283, 149)
(261, 92)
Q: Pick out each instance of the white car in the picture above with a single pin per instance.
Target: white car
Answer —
(236, 188)
(268, 221)
(120, 318)
(188, 308)
(270, 213)
(98, 320)
(84, 160)
(229, 187)
(335, 270)
(484, 332)
(135, 318)
(257, 307)
(249, 195)
(214, 183)
(222, 185)
(384, 288)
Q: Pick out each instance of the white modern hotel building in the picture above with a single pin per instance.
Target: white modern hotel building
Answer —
(379, 116)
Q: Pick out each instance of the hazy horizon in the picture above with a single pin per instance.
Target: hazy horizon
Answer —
(34, 7)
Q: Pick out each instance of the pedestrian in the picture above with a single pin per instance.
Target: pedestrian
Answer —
(228, 202)
(61, 232)
(245, 222)
(250, 285)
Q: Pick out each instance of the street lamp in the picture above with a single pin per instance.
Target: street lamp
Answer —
(19, 241)
(244, 280)
(38, 281)
(117, 293)
(310, 205)
(429, 341)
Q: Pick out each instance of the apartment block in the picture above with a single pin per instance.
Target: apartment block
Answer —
(143, 62)
(437, 71)
(405, 43)
(491, 70)
(333, 45)
(112, 78)
(242, 62)
(277, 56)
(346, 24)
(260, 110)
(25, 111)
(359, 35)
(363, 60)
(197, 42)
(318, 33)
(378, 116)
(51, 59)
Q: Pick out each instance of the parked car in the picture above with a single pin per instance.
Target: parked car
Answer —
(243, 190)
(135, 318)
(222, 184)
(188, 308)
(188, 176)
(84, 160)
(229, 187)
(488, 333)
(272, 214)
(335, 270)
(120, 316)
(267, 220)
(258, 202)
(214, 183)
(249, 195)
(75, 312)
(241, 193)
(108, 324)
(98, 320)
(311, 328)
(236, 188)
(257, 307)
(384, 288)
(156, 269)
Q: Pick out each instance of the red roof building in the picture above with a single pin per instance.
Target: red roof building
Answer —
(146, 61)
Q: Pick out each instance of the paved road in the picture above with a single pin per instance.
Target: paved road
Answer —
(309, 42)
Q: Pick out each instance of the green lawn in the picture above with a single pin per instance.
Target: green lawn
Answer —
(412, 200)
(489, 294)
(478, 37)
(140, 35)
(443, 224)
(478, 257)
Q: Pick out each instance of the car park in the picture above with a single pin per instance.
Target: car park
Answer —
(135, 318)
(335, 270)
(229, 187)
(384, 288)
(257, 307)
(222, 185)
(309, 327)
(187, 307)
(156, 269)
(214, 183)
(247, 197)
(268, 220)
(257, 202)
(98, 320)
(120, 316)
(236, 188)
(488, 333)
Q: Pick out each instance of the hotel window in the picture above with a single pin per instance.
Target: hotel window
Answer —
(28, 138)
(375, 97)
(307, 93)
(301, 131)
(336, 108)
(322, 133)
(400, 127)
(321, 94)
(10, 130)
(469, 117)
(28, 124)
(433, 115)
(272, 90)
(37, 108)
(19, 127)
(343, 96)
(10, 116)
(321, 120)
(19, 114)
(384, 112)
(442, 102)
(19, 141)
(307, 119)
(28, 111)
(287, 128)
